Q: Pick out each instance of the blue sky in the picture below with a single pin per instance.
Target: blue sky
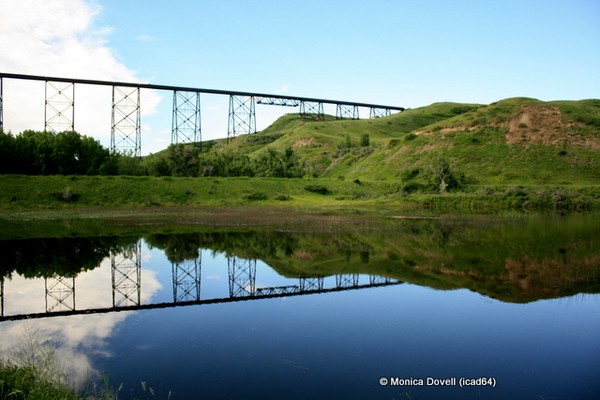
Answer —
(405, 53)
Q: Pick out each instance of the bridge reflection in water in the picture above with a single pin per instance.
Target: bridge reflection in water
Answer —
(126, 284)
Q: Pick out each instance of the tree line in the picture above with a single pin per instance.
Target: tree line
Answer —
(70, 153)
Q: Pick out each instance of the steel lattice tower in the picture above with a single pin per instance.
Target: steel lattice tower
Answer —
(60, 293)
(1, 296)
(186, 118)
(242, 116)
(126, 274)
(1, 106)
(310, 284)
(187, 279)
(126, 132)
(346, 111)
(311, 108)
(379, 112)
(346, 280)
(59, 113)
(379, 280)
(242, 277)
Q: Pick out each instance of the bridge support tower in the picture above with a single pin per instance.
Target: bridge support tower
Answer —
(242, 116)
(345, 111)
(186, 126)
(242, 277)
(310, 284)
(186, 280)
(312, 109)
(126, 275)
(59, 112)
(1, 106)
(346, 281)
(126, 132)
(379, 112)
(60, 293)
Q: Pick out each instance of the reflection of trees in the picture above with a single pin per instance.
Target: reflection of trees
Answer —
(67, 257)
(179, 247)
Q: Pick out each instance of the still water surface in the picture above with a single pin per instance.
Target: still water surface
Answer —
(348, 315)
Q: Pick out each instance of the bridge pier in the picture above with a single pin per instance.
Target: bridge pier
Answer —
(126, 133)
(311, 284)
(346, 111)
(187, 279)
(59, 112)
(1, 296)
(346, 280)
(1, 106)
(242, 277)
(379, 112)
(242, 115)
(311, 108)
(186, 126)
(60, 293)
(126, 276)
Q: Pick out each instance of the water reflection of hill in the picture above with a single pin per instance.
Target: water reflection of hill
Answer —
(515, 260)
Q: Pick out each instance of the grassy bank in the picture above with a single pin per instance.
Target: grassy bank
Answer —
(81, 196)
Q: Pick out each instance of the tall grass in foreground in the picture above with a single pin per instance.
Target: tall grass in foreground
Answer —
(33, 371)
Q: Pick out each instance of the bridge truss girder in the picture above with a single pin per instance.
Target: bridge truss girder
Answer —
(126, 276)
(277, 290)
(346, 111)
(187, 279)
(376, 112)
(311, 109)
(277, 101)
(242, 277)
(186, 124)
(126, 122)
(59, 111)
(242, 115)
(60, 293)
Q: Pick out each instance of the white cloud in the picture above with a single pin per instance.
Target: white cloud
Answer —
(76, 338)
(59, 38)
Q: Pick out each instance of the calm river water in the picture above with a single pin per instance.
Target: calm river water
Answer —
(425, 309)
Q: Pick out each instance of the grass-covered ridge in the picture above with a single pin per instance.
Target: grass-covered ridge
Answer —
(514, 154)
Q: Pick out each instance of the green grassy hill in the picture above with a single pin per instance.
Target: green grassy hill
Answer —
(515, 154)
(517, 141)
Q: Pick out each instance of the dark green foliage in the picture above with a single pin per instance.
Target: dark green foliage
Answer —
(317, 189)
(46, 153)
(22, 383)
(365, 140)
(225, 163)
(443, 177)
(65, 257)
(254, 196)
(183, 160)
(462, 109)
(409, 174)
(274, 164)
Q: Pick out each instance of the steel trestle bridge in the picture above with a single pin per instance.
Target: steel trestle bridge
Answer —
(126, 286)
(186, 121)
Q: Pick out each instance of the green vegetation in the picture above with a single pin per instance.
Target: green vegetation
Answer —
(33, 371)
(515, 154)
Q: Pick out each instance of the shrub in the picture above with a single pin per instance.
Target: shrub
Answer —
(365, 141)
(254, 196)
(317, 189)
